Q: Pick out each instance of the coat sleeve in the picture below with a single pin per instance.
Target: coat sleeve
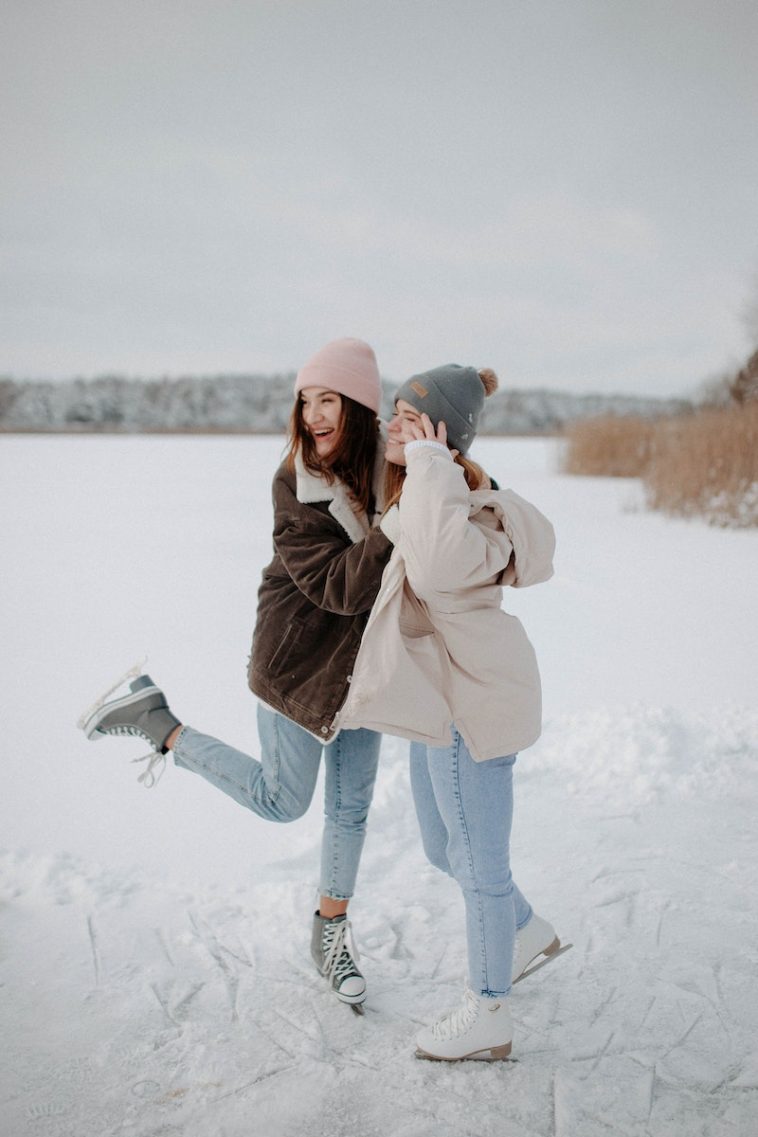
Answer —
(444, 551)
(332, 573)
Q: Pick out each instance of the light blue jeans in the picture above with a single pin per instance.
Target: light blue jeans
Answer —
(280, 786)
(465, 809)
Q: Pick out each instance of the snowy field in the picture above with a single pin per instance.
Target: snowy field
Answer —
(154, 962)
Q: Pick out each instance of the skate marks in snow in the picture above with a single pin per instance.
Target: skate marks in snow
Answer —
(662, 996)
(94, 949)
(637, 1030)
(227, 960)
(185, 1065)
(158, 1037)
(149, 1009)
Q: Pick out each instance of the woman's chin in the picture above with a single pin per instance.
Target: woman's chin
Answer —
(326, 445)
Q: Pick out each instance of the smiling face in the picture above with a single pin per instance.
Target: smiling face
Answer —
(321, 411)
(398, 433)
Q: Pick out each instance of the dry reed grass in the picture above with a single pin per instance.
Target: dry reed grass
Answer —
(609, 446)
(704, 464)
(707, 465)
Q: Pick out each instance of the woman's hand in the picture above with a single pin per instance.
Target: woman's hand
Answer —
(423, 431)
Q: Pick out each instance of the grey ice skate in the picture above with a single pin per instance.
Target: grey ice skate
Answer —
(143, 713)
(334, 960)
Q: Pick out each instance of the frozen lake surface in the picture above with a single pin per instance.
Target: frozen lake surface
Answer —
(154, 945)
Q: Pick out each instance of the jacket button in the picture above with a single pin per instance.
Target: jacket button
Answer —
(349, 678)
(324, 729)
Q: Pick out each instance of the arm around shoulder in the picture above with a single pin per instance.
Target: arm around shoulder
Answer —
(335, 574)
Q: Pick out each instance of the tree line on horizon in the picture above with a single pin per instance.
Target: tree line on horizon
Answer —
(261, 404)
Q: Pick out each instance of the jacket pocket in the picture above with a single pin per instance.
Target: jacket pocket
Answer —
(414, 631)
(414, 619)
(291, 639)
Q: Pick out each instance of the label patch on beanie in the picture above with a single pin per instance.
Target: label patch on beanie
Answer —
(419, 388)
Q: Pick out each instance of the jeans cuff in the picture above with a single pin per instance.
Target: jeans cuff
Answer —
(176, 748)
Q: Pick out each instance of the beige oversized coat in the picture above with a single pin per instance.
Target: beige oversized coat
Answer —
(438, 648)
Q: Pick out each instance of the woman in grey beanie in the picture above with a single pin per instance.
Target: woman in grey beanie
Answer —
(442, 664)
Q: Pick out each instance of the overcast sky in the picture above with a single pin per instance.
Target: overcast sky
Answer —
(564, 190)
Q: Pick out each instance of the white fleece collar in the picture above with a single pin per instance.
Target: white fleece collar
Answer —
(311, 488)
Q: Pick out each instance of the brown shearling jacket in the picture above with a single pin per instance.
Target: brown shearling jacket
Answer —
(315, 598)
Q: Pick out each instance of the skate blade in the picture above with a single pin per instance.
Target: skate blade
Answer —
(495, 1054)
(542, 963)
(134, 671)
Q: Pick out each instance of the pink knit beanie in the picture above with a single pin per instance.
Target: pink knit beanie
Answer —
(347, 366)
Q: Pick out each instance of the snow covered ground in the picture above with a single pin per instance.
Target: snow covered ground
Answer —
(154, 945)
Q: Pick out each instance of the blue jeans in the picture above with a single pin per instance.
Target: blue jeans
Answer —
(465, 809)
(280, 787)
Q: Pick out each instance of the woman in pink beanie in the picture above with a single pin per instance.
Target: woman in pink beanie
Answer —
(313, 604)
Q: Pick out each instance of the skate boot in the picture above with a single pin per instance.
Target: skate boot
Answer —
(479, 1029)
(334, 961)
(143, 713)
(536, 938)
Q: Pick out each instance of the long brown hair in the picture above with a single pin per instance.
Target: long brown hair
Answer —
(353, 458)
(394, 478)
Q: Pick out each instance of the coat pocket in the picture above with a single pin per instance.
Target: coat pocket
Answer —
(414, 619)
(291, 641)
(414, 631)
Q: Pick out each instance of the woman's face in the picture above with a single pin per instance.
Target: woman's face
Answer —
(321, 410)
(398, 432)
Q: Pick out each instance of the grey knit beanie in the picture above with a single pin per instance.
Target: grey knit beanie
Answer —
(451, 394)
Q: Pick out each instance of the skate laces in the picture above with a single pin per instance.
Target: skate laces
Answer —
(457, 1021)
(155, 760)
(338, 962)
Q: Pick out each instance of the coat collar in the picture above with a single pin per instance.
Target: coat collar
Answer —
(312, 488)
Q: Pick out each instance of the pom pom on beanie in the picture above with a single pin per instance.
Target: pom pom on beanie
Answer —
(347, 366)
(451, 394)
